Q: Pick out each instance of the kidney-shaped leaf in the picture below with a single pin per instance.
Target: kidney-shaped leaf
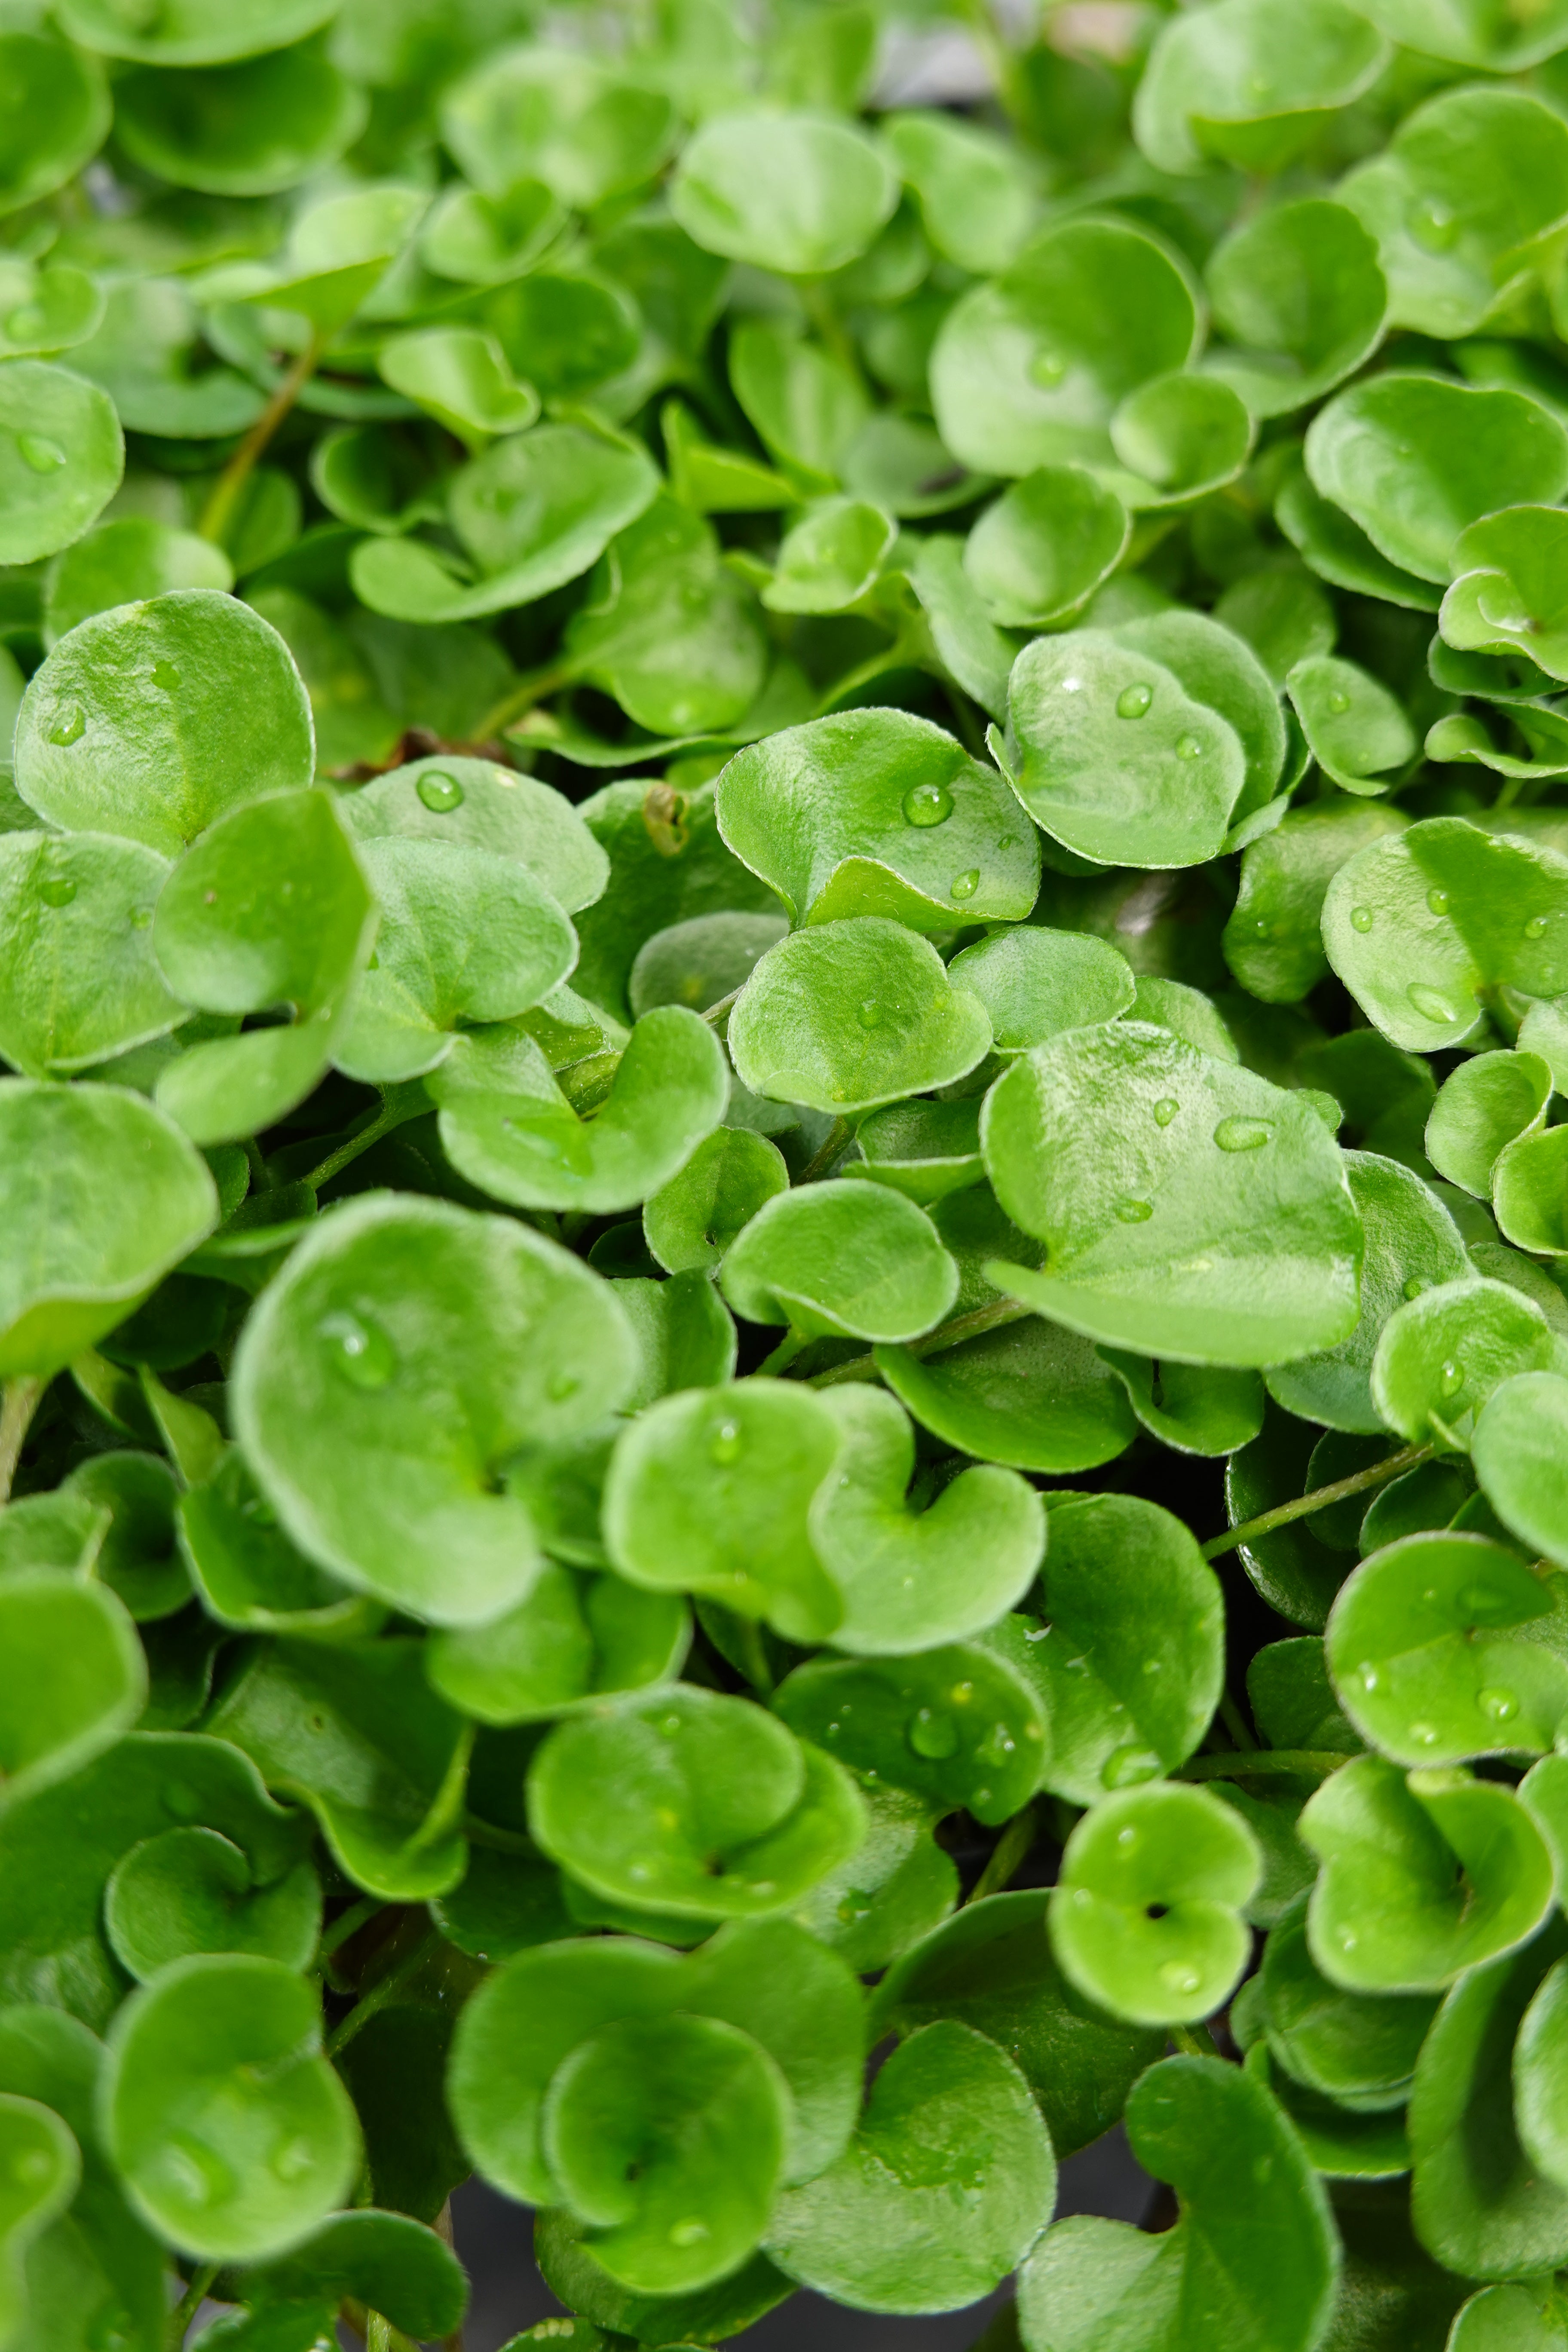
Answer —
(1251, 81)
(190, 1890)
(859, 1260)
(1442, 1354)
(1519, 1451)
(482, 806)
(61, 455)
(801, 193)
(72, 1677)
(958, 1726)
(77, 978)
(1299, 291)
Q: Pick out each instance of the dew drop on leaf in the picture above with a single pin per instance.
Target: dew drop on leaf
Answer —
(868, 1014)
(1360, 919)
(560, 1386)
(1180, 1975)
(1124, 1767)
(724, 1445)
(1339, 701)
(1413, 1287)
(1047, 368)
(1433, 224)
(1135, 700)
(40, 455)
(56, 889)
(1425, 1735)
(292, 2161)
(1188, 747)
(1450, 1379)
(932, 1733)
(361, 1350)
(70, 724)
(1242, 1134)
(1536, 928)
(1498, 1703)
(927, 804)
(165, 678)
(1430, 1002)
(1135, 1212)
(1438, 901)
(1166, 1110)
(439, 792)
(964, 885)
(141, 918)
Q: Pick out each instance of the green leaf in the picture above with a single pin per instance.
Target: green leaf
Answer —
(1146, 1918)
(1130, 1154)
(797, 193)
(459, 376)
(246, 1571)
(368, 1412)
(557, 117)
(574, 1639)
(1130, 1654)
(120, 562)
(533, 511)
(1032, 1394)
(140, 1200)
(1356, 731)
(1299, 294)
(958, 1726)
(234, 2137)
(858, 1261)
(1443, 1353)
(807, 407)
(692, 1803)
(1046, 545)
(463, 940)
(568, 2266)
(1412, 1246)
(1422, 1877)
(481, 805)
(1415, 459)
(1029, 369)
(129, 726)
(1470, 912)
(878, 812)
(691, 1222)
(1283, 615)
(943, 2189)
(677, 678)
(912, 1577)
(1482, 1108)
(508, 1128)
(1035, 983)
(73, 1677)
(190, 1890)
(1527, 1190)
(1113, 758)
(1505, 599)
(61, 454)
(1463, 186)
(483, 240)
(43, 2168)
(1445, 1647)
(1253, 85)
(1517, 1451)
(709, 1491)
(57, 114)
(1497, 2318)
(235, 931)
(137, 1559)
(989, 1967)
(850, 1014)
(418, 2282)
(1480, 2203)
(830, 558)
(685, 1336)
(78, 982)
(194, 33)
(1273, 941)
(1358, 2049)
(975, 192)
(240, 129)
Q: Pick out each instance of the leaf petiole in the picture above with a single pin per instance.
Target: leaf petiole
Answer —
(1306, 1505)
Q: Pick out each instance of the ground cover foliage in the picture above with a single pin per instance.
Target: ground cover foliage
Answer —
(784, 956)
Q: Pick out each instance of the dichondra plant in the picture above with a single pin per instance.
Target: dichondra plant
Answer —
(783, 1196)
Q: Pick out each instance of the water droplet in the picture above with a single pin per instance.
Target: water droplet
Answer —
(141, 918)
(362, 1350)
(1126, 1839)
(56, 889)
(1181, 1976)
(1047, 368)
(194, 2173)
(1415, 1287)
(1425, 1735)
(1498, 1705)
(964, 885)
(293, 2161)
(1189, 747)
(165, 678)
(932, 1733)
(70, 724)
(439, 792)
(927, 804)
(998, 1745)
(1450, 1378)
(28, 318)
(41, 456)
(1135, 700)
(1135, 1212)
(688, 2233)
(854, 1906)
(1166, 1110)
(1124, 1767)
(869, 1013)
(1433, 224)
(1430, 1002)
(962, 1693)
(1360, 919)
(1371, 1679)
(1536, 928)
(724, 1444)
(1242, 1134)
(1339, 701)
(1438, 901)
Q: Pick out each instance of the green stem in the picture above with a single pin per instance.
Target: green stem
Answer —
(380, 1994)
(496, 1841)
(718, 1014)
(1265, 1764)
(190, 2303)
(377, 2333)
(1194, 2041)
(531, 687)
(1005, 1855)
(398, 1105)
(901, 655)
(348, 1923)
(839, 1135)
(18, 1403)
(753, 1655)
(946, 1335)
(1234, 1722)
(784, 1355)
(1319, 1499)
(237, 473)
(819, 309)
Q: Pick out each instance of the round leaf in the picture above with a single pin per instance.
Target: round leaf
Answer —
(61, 454)
(481, 805)
(801, 193)
(574, 1639)
(57, 112)
(240, 129)
(1518, 1451)
(189, 1890)
(73, 1677)
(78, 982)
(1300, 295)
(958, 1726)
(858, 1261)
(1441, 1356)
(1046, 545)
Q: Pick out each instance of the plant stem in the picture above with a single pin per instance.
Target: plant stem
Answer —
(784, 1355)
(753, 1655)
(380, 1994)
(18, 1403)
(190, 2303)
(819, 309)
(348, 1923)
(1305, 1505)
(1194, 2041)
(1005, 1855)
(1230, 1715)
(237, 473)
(496, 1841)
(1264, 1763)
(448, 2235)
(836, 1140)
(717, 1014)
(946, 1335)
(531, 687)
(398, 1105)
(377, 2333)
